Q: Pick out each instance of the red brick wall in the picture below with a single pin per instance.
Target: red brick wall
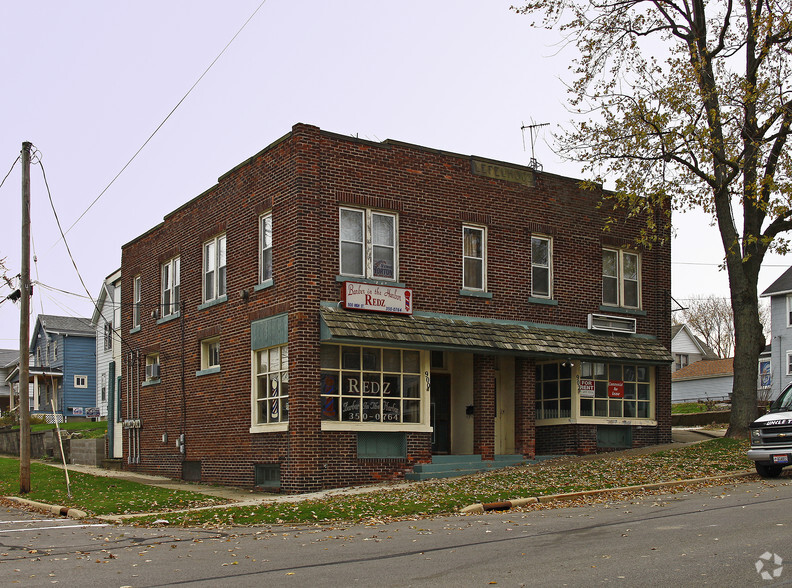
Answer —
(303, 179)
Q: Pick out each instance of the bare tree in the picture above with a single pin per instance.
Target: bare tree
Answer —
(687, 104)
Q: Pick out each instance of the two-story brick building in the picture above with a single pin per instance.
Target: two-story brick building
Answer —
(335, 310)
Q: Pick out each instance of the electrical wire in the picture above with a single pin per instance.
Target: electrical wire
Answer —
(9, 171)
(206, 71)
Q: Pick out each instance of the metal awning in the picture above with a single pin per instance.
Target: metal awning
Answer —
(432, 331)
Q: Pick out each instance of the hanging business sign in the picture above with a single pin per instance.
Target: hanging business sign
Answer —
(378, 298)
(615, 389)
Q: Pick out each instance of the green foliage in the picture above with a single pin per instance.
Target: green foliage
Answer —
(688, 408)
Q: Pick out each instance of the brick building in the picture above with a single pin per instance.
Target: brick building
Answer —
(334, 311)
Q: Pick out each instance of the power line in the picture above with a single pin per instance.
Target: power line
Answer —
(9, 171)
(128, 163)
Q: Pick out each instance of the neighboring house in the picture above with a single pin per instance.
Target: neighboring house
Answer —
(106, 321)
(687, 348)
(8, 361)
(63, 366)
(707, 379)
(780, 294)
(336, 310)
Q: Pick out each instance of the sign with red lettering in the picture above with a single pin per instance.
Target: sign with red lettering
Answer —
(615, 389)
(379, 298)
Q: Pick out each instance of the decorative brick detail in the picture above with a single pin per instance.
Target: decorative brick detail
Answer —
(525, 407)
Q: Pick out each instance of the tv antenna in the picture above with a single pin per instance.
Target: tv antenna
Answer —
(533, 163)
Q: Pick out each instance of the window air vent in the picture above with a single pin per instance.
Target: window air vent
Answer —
(617, 324)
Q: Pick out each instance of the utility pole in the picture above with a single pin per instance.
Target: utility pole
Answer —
(24, 329)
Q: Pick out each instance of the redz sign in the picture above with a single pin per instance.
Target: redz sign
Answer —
(378, 298)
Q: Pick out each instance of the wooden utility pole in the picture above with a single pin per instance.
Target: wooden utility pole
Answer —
(24, 329)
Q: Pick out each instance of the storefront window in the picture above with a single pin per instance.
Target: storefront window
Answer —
(370, 385)
(615, 390)
(553, 391)
(272, 385)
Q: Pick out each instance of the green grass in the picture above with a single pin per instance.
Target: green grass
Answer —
(688, 407)
(97, 495)
(89, 429)
(715, 457)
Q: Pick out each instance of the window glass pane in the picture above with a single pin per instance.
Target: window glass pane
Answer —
(630, 270)
(586, 407)
(610, 263)
(550, 390)
(371, 359)
(473, 274)
(629, 409)
(629, 373)
(330, 408)
(631, 294)
(371, 410)
(600, 389)
(412, 362)
(540, 252)
(391, 385)
(352, 259)
(643, 391)
(350, 409)
(371, 385)
(643, 410)
(550, 371)
(350, 358)
(610, 291)
(601, 408)
(412, 387)
(383, 229)
(383, 262)
(391, 360)
(540, 281)
(643, 373)
(266, 265)
(412, 411)
(473, 242)
(352, 225)
(329, 356)
(599, 370)
(629, 390)
(615, 408)
(274, 359)
(615, 372)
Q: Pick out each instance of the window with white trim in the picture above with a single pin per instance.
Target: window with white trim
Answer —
(789, 310)
(789, 363)
(80, 381)
(681, 360)
(108, 335)
(152, 367)
(137, 293)
(370, 385)
(214, 268)
(615, 390)
(621, 278)
(541, 267)
(171, 285)
(367, 244)
(553, 390)
(265, 248)
(271, 394)
(210, 353)
(474, 249)
(103, 380)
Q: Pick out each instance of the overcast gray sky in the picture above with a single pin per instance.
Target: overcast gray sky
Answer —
(87, 82)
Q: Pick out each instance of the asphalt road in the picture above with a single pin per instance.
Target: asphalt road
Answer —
(713, 536)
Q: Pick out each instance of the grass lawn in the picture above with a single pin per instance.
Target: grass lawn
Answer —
(96, 495)
(436, 497)
(688, 407)
(89, 429)
(99, 495)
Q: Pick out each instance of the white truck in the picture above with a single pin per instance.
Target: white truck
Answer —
(771, 437)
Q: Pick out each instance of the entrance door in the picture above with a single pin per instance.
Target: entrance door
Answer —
(504, 418)
(440, 413)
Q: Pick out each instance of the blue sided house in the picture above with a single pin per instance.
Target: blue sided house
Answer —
(63, 367)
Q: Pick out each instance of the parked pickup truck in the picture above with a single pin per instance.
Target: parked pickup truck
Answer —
(771, 437)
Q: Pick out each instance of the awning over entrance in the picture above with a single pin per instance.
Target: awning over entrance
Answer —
(486, 335)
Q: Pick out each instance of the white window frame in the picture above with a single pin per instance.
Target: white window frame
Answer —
(103, 388)
(108, 336)
(270, 394)
(368, 246)
(467, 256)
(789, 363)
(137, 294)
(548, 267)
(152, 359)
(621, 279)
(80, 381)
(210, 353)
(678, 361)
(789, 310)
(214, 268)
(171, 286)
(265, 248)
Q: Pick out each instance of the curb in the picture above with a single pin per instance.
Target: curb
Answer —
(480, 507)
(63, 511)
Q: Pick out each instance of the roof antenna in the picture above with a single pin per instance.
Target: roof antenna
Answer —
(533, 163)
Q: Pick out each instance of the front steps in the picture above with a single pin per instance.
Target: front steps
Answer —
(451, 466)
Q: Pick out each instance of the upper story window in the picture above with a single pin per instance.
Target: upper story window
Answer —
(474, 258)
(170, 286)
(108, 336)
(55, 350)
(681, 360)
(152, 367)
(367, 244)
(789, 310)
(80, 381)
(137, 292)
(210, 353)
(265, 248)
(214, 268)
(541, 267)
(621, 278)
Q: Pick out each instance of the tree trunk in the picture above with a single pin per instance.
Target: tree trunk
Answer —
(749, 342)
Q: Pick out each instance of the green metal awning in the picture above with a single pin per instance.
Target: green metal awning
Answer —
(472, 334)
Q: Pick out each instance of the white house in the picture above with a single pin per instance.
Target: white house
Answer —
(708, 379)
(687, 348)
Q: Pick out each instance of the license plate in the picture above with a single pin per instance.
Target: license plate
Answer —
(780, 459)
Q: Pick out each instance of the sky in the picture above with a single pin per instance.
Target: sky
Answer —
(89, 82)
